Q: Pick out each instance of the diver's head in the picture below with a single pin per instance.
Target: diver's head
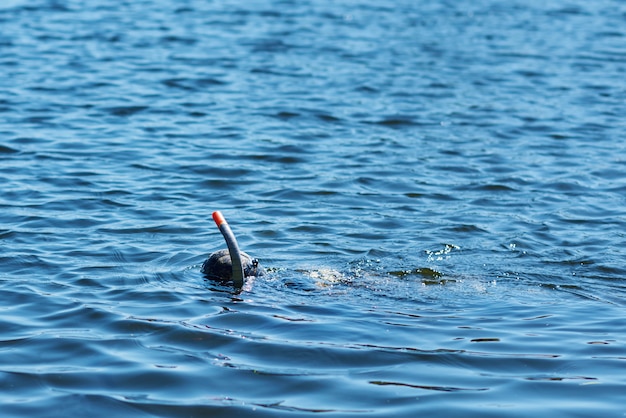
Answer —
(219, 266)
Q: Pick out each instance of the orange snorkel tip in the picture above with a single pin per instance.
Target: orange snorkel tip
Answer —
(218, 218)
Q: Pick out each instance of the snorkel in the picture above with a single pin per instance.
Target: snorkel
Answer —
(233, 248)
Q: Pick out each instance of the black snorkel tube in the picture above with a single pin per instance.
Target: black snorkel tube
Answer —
(233, 248)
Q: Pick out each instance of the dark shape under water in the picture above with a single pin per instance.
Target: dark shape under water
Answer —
(230, 264)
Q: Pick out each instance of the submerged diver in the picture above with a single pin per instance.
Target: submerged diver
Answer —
(230, 264)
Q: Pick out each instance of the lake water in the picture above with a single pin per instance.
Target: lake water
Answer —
(437, 190)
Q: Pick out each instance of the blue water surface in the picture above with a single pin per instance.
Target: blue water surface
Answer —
(436, 189)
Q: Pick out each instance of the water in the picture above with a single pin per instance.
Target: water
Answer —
(437, 190)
